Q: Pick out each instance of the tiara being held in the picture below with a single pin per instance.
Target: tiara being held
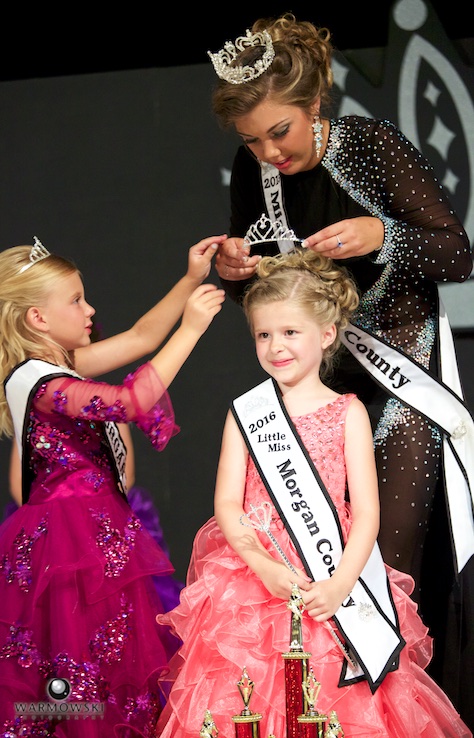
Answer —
(265, 230)
(239, 73)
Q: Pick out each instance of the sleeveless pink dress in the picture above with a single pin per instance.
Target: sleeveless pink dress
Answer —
(227, 620)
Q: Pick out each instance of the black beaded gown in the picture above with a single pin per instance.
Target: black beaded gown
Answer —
(370, 168)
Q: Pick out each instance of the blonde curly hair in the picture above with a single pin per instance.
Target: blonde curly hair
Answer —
(299, 73)
(313, 282)
(20, 291)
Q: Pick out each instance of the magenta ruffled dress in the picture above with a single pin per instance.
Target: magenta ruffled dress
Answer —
(78, 600)
(227, 620)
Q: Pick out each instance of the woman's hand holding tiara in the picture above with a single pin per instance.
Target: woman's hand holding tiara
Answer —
(233, 261)
(348, 238)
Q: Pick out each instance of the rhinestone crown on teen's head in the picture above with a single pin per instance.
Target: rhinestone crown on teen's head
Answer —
(37, 253)
(238, 74)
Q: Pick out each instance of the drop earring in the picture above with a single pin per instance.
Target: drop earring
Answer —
(318, 136)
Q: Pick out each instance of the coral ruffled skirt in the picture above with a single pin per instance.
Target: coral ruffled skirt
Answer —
(228, 621)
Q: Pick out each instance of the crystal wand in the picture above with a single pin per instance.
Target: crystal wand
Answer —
(260, 519)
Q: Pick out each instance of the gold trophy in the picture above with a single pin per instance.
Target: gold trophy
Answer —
(209, 728)
(298, 706)
(296, 605)
(312, 721)
(247, 723)
(334, 728)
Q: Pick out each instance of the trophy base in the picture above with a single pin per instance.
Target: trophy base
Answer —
(296, 655)
(312, 718)
(253, 718)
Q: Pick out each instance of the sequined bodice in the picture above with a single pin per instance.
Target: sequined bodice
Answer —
(66, 453)
(322, 432)
(70, 432)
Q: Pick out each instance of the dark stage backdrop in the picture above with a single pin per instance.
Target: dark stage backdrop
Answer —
(123, 171)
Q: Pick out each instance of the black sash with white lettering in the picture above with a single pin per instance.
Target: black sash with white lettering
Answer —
(20, 388)
(428, 396)
(367, 619)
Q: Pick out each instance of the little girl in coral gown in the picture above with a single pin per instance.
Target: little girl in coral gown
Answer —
(233, 613)
(80, 649)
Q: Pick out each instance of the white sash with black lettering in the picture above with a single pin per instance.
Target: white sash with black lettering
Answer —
(442, 405)
(271, 185)
(20, 387)
(368, 619)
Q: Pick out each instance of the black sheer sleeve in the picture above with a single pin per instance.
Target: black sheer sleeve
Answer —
(422, 231)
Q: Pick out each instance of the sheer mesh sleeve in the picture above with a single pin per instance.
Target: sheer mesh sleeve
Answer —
(141, 399)
(422, 232)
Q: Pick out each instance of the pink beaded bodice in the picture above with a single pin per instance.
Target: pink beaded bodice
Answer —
(322, 432)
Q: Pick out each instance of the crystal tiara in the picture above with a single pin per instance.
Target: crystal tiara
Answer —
(37, 253)
(265, 230)
(239, 74)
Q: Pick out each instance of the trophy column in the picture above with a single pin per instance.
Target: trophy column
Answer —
(296, 666)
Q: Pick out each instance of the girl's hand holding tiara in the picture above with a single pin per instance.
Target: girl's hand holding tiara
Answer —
(200, 257)
(152, 328)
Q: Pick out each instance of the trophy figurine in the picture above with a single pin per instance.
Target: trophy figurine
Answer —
(296, 605)
(334, 729)
(247, 722)
(209, 728)
(312, 721)
(296, 665)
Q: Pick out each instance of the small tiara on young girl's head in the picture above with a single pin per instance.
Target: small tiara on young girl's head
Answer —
(37, 253)
(239, 74)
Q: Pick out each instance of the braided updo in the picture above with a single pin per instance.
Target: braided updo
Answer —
(310, 281)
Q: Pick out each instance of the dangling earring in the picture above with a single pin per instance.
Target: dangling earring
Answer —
(318, 136)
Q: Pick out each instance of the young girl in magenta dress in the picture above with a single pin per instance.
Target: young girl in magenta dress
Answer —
(233, 613)
(80, 650)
